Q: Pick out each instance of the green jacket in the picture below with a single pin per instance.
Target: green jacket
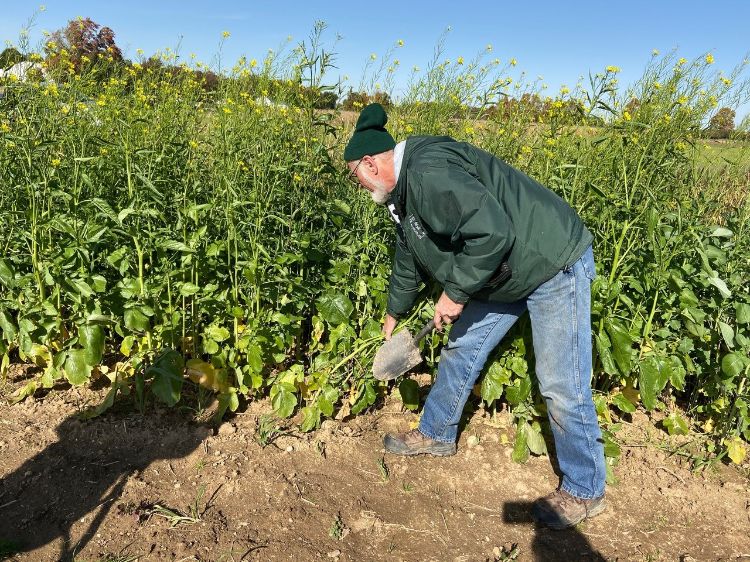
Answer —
(476, 225)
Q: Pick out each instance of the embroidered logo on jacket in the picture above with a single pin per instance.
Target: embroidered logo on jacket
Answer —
(415, 226)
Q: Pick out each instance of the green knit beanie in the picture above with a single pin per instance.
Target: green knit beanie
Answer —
(370, 136)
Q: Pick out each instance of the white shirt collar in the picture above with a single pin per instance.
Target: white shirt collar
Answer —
(398, 157)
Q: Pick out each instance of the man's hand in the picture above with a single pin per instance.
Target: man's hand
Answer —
(388, 325)
(446, 311)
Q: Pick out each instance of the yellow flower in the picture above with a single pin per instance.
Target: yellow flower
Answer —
(400, 42)
(727, 81)
(5, 128)
(657, 85)
(409, 129)
(193, 144)
(682, 100)
(564, 90)
(225, 34)
(373, 56)
(525, 149)
(613, 69)
(103, 151)
(709, 58)
(626, 115)
(513, 62)
(655, 52)
(489, 48)
(667, 118)
(682, 61)
(55, 162)
(460, 60)
(469, 130)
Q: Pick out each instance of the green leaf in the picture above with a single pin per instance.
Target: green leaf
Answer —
(727, 333)
(409, 391)
(653, 376)
(535, 440)
(98, 283)
(136, 321)
(743, 313)
(518, 392)
(127, 345)
(328, 397)
(622, 346)
(77, 370)
(283, 399)
(366, 398)
(177, 246)
(732, 364)
(227, 401)
(605, 354)
(335, 308)
(721, 232)
(611, 449)
(678, 373)
(91, 338)
(623, 404)
(675, 424)
(520, 452)
(255, 357)
(167, 372)
(7, 275)
(493, 383)
(8, 326)
(23, 392)
(217, 333)
(371, 330)
(188, 289)
(721, 285)
(310, 418)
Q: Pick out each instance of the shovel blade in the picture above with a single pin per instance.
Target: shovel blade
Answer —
(396, 356)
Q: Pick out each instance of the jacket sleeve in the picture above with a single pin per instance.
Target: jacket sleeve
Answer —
(405, 282)
(456, 205)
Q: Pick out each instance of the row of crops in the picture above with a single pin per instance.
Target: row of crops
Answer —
(156, 232)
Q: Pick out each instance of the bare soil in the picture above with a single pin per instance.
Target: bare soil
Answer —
(111, 488)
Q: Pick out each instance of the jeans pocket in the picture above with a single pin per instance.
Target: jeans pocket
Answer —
(589, 266)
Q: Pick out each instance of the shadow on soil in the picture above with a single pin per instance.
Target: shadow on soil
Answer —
(78, 479)
(548, 545)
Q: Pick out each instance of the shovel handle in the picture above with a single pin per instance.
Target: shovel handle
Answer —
(424, 331)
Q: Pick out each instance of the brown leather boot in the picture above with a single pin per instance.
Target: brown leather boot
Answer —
(415, 443)
(560, 510)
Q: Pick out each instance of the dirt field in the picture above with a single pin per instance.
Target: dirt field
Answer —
(112, 488)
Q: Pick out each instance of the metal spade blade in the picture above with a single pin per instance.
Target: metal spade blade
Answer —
(399, 354)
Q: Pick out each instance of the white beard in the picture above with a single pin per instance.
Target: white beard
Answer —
(380, 196)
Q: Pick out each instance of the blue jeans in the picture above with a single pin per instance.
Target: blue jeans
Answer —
(560, 313)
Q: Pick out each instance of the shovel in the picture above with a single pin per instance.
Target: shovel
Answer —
(399, 354)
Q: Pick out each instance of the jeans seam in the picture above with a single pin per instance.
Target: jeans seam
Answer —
(457, 398)
(578, 388)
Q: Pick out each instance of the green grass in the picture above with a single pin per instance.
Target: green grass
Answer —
(721, 154)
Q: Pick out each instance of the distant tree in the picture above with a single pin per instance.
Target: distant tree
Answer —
(721, 124)
(81, 43)
(9, 57)
(355, 101)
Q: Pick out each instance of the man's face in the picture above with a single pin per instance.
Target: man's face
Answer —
(364, 172)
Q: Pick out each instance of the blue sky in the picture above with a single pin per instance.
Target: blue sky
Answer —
(559, 41)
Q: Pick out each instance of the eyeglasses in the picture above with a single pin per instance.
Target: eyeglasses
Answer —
(352, 176)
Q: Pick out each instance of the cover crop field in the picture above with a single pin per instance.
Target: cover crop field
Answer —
(179, 239)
